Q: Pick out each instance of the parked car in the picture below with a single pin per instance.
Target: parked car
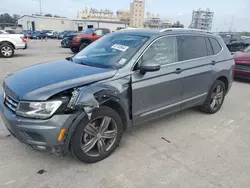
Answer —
(242, 64)
(3, 32)
(11, 42)
(51, 34)
(35, 35)
(65, 33)
(83, 104)
(234, 41)
(88, 36)
(10, 31)
(65, 43)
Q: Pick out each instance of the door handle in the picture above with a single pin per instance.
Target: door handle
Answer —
(213, 62)
(178, 70)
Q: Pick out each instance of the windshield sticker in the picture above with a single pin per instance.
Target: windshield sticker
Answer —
(122, 61)
(120, 47)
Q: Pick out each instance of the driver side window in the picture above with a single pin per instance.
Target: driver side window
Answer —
(99, 32)
(163, 51)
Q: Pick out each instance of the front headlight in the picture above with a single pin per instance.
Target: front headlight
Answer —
(39, 110)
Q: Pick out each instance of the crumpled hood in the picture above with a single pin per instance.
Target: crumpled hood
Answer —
(39, 82)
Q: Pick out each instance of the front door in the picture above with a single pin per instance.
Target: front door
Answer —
(98, 34)
(157, 93)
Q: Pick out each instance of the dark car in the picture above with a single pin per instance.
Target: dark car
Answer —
(85, 38)
(65, 33)
(35, 35)
(65, 43)
(83, 104)
(234, 41)
(242, 64)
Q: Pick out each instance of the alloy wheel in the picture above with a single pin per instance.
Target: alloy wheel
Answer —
(217, 97)
(6, 51)
(99, 136)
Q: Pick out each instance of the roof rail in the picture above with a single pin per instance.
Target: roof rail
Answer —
(185, 29)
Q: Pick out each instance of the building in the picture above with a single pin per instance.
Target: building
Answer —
(60, 24)
(39, 23)
(123, 15)
(154, 21)
(137, 11)
(202, 19)
(102, 14)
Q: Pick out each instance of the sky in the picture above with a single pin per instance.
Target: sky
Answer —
(228, 14)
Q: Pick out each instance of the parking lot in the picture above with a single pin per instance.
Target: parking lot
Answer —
(198, 150)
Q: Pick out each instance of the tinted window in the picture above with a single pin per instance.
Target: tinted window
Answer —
(216, 46)
(163, 51)
(193, 47)
(209, 47)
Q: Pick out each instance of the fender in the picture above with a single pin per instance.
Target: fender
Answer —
(86, 39)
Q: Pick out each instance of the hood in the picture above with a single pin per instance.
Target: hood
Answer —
(39, 82)
(242, 57)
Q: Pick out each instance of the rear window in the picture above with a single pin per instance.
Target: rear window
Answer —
(215, 45)
(193, 47)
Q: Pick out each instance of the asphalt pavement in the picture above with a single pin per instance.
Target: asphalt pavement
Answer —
(185, 150)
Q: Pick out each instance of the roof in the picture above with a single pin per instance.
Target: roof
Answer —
(43, 17)
(100, 21)
(154, 32)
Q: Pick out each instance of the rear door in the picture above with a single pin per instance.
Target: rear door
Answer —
(198, 65)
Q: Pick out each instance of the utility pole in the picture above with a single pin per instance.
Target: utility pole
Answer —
(40, 3)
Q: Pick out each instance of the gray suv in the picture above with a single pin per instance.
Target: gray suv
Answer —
(84, 103)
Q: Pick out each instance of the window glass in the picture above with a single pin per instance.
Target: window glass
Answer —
(216, 46)
(193, 47)
(163, 51)
(99, 32)
(209, 47)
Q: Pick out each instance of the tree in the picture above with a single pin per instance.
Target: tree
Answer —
(16, 16)
(177, 25)
(6, 18)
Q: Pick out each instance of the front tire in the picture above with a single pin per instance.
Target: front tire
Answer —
(74, 50)
(6, 50)
(215, 98)
(83, 45)
(95, 139)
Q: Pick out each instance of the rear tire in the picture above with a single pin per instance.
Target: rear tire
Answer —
(94, 140)
(6, 50)
(83, 45)
(215, 98)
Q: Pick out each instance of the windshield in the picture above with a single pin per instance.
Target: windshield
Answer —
(111, 51)
(247, 49)
(87, 31)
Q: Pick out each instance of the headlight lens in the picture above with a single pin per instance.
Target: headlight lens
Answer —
(39, 110)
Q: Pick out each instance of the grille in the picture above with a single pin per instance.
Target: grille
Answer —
(244, 67)
(10, 103)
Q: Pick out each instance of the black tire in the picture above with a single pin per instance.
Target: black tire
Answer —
(74, 50)
(6, 50)
(83, 45)
(77, 137)
(206, 107)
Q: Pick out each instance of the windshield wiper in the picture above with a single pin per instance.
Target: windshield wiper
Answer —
(69, 59)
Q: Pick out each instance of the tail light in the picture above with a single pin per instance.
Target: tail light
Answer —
(23, 39)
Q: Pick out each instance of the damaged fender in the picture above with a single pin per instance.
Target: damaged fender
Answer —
(95, 95)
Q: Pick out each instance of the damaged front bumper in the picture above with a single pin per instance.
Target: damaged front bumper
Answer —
(39, 134)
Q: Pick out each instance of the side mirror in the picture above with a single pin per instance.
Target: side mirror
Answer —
(94, 33)
(149, 66)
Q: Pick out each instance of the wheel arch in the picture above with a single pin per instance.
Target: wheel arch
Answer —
(7, 42)
(224, 79)
(87, 40)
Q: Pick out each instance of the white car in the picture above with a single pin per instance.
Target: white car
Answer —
(11, 42)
